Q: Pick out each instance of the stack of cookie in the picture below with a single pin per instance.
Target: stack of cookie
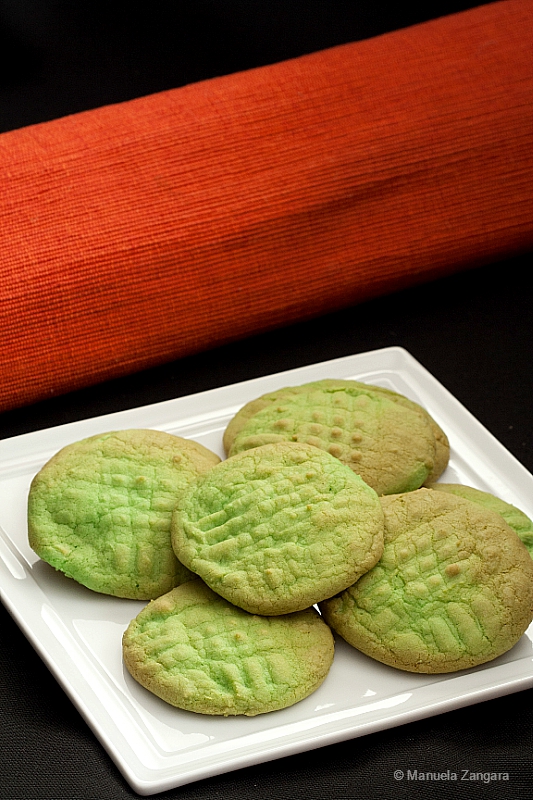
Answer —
(322, 502)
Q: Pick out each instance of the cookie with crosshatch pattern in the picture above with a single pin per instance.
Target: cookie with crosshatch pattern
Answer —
(277, 528)
(389, 440)
(453, 588)
(200, 653)
(100, 509)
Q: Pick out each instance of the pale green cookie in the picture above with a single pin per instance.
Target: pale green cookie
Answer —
(453, 588)
(516, 519)
(389, 440)
(100, 510)
(200, 653)
(278, 528)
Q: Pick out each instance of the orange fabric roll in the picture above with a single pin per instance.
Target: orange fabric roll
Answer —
(141, 232)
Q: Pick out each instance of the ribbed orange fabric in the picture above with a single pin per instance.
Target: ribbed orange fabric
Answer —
(138, 233)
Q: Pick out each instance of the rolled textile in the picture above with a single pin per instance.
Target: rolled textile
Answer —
(138, 233)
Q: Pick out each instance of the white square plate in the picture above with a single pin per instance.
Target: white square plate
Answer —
(78, 633)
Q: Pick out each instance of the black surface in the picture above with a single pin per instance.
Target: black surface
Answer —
(58, 57)
(472, 331)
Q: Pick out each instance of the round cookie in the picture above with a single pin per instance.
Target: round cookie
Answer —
(521, 524)
(389, 440)
(100, 510)
(453, 588)
(200, 653)
(278, 528)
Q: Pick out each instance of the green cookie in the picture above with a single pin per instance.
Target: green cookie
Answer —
(389, 440)
(100, 510)
(516, 519)
(278, 528)
(453, 588)
(198, 652)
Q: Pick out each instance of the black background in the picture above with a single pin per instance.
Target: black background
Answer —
(472, 331)
(58, 56)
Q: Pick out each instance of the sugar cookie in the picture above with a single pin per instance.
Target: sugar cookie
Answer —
(100, 510)
(389, 440)
(200, 653)
(278, 528)
(453, 588)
